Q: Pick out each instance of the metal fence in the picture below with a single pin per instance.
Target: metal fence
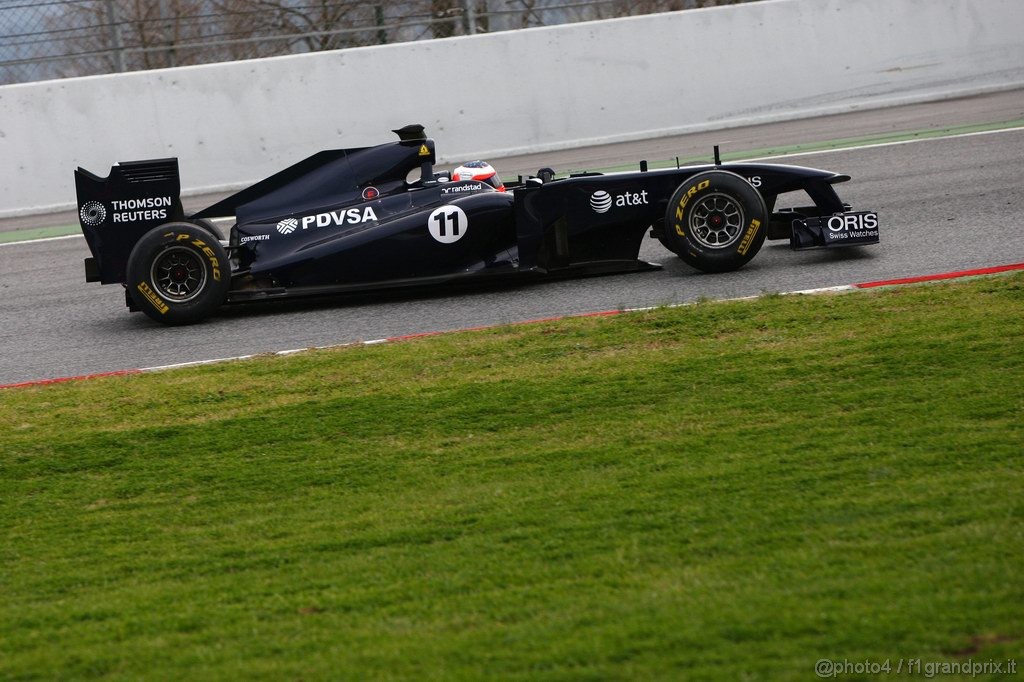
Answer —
(43, 39)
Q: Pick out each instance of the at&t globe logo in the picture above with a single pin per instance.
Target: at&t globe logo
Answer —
(601, 201)
(287, 226)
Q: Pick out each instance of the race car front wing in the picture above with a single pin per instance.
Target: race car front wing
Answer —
(851, 228)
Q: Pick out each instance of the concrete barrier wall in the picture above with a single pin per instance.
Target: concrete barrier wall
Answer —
(508, 93)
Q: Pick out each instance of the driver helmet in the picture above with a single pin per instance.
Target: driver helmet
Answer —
(481, 171)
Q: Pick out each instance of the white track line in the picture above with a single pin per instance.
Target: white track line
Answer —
(41, 240)
(879, 145)
(411, 337)
(816, 152)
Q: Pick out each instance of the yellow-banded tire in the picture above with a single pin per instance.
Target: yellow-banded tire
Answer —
(178, 273)
(715, 221)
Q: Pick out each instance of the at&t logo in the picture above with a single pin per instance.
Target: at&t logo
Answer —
(600, 201)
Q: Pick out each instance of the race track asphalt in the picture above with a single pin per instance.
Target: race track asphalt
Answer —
(944, 205)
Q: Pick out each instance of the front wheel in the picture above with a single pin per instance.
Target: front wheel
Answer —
(178, 273)
(715, 221)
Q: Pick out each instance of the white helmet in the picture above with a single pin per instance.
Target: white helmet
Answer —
(481, 171)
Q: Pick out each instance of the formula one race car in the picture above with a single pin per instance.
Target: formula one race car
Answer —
(376, 218)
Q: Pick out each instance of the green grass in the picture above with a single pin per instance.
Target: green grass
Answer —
(722, 491)
(39, 233)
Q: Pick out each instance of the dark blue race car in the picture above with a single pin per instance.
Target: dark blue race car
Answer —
(377, 218)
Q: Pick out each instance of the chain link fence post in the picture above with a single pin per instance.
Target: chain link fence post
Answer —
(115, 36)
(470, 17)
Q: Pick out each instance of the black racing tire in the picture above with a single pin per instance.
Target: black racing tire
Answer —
(715, 221)
(178, 273)
(208, 224)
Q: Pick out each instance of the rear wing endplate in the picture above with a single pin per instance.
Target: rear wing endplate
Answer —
(116, 211)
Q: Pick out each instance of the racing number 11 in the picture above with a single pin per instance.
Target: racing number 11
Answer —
(448, 224)
(442, 218)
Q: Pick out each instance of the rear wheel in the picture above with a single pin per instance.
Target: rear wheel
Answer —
(715, 221)
(178, 273)
(208, 225)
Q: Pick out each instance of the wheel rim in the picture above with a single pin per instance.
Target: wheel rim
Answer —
(178, 274)
(716, 221)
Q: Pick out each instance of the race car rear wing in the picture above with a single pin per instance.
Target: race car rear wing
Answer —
(117, 210)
